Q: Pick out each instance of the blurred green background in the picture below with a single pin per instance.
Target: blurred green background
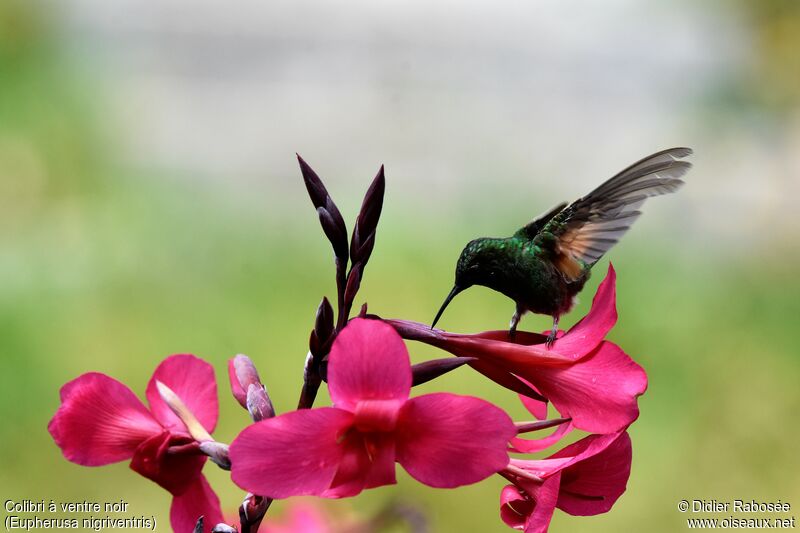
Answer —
(150, 204)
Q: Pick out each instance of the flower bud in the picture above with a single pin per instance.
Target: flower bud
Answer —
(255, 506)
(329, 216)
(258, 403)
(323, 322)
(363, 239)
(242, 372)
(252, 511)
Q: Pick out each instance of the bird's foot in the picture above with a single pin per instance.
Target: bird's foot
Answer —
(551, 338)
(512, 327)
(512, 332)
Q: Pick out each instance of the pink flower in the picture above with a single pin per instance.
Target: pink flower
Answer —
(101, 421)
(583, 479)
(587, 379)
(442, 440)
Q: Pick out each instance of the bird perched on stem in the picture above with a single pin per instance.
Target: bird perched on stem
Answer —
(545, 264)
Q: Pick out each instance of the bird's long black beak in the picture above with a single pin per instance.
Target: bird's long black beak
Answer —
(456, 290)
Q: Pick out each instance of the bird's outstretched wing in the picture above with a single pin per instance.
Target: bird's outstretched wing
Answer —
(532, 228)
(590, 226)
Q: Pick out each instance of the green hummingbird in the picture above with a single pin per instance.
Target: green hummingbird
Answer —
(545, 264)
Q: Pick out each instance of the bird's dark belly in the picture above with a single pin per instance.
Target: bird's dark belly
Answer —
(540, 288)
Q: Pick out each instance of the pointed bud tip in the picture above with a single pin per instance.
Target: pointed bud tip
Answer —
(166, 393)
(176, 405)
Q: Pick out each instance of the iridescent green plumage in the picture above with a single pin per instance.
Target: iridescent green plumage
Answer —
(545, 264)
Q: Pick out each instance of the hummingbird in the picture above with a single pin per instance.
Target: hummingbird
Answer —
(545, 264)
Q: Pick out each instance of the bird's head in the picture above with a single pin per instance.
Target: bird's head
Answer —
(475, 265)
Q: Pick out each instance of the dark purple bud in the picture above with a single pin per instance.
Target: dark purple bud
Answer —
(311, 383)
(258, 403)
(252, 511)
(335, 234)
(217, 452)
(424, 372)
(323, 323)
(353, 284)
(363, 312)
(365, 250)
(314, 346)
(367, 221)
(198, 528)
(313, 343)
(332, 221)
(316, 189)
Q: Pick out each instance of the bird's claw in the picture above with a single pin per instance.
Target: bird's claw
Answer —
(512, 332)
(551, 339)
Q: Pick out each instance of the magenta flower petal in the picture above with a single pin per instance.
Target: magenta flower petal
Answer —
(500, 375)
(515, 508)
(593, 484)
(527, 348)
(351, 475)
(292, 454)
(445, 440)
(174, 472)
(593, 473)
(192, 379)
(536, 407)
(100, 421)
(533, 510)
(599, 392)
(368, 461)
(198, 500)
(368, 361)
(381, 449)
(594, 327)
